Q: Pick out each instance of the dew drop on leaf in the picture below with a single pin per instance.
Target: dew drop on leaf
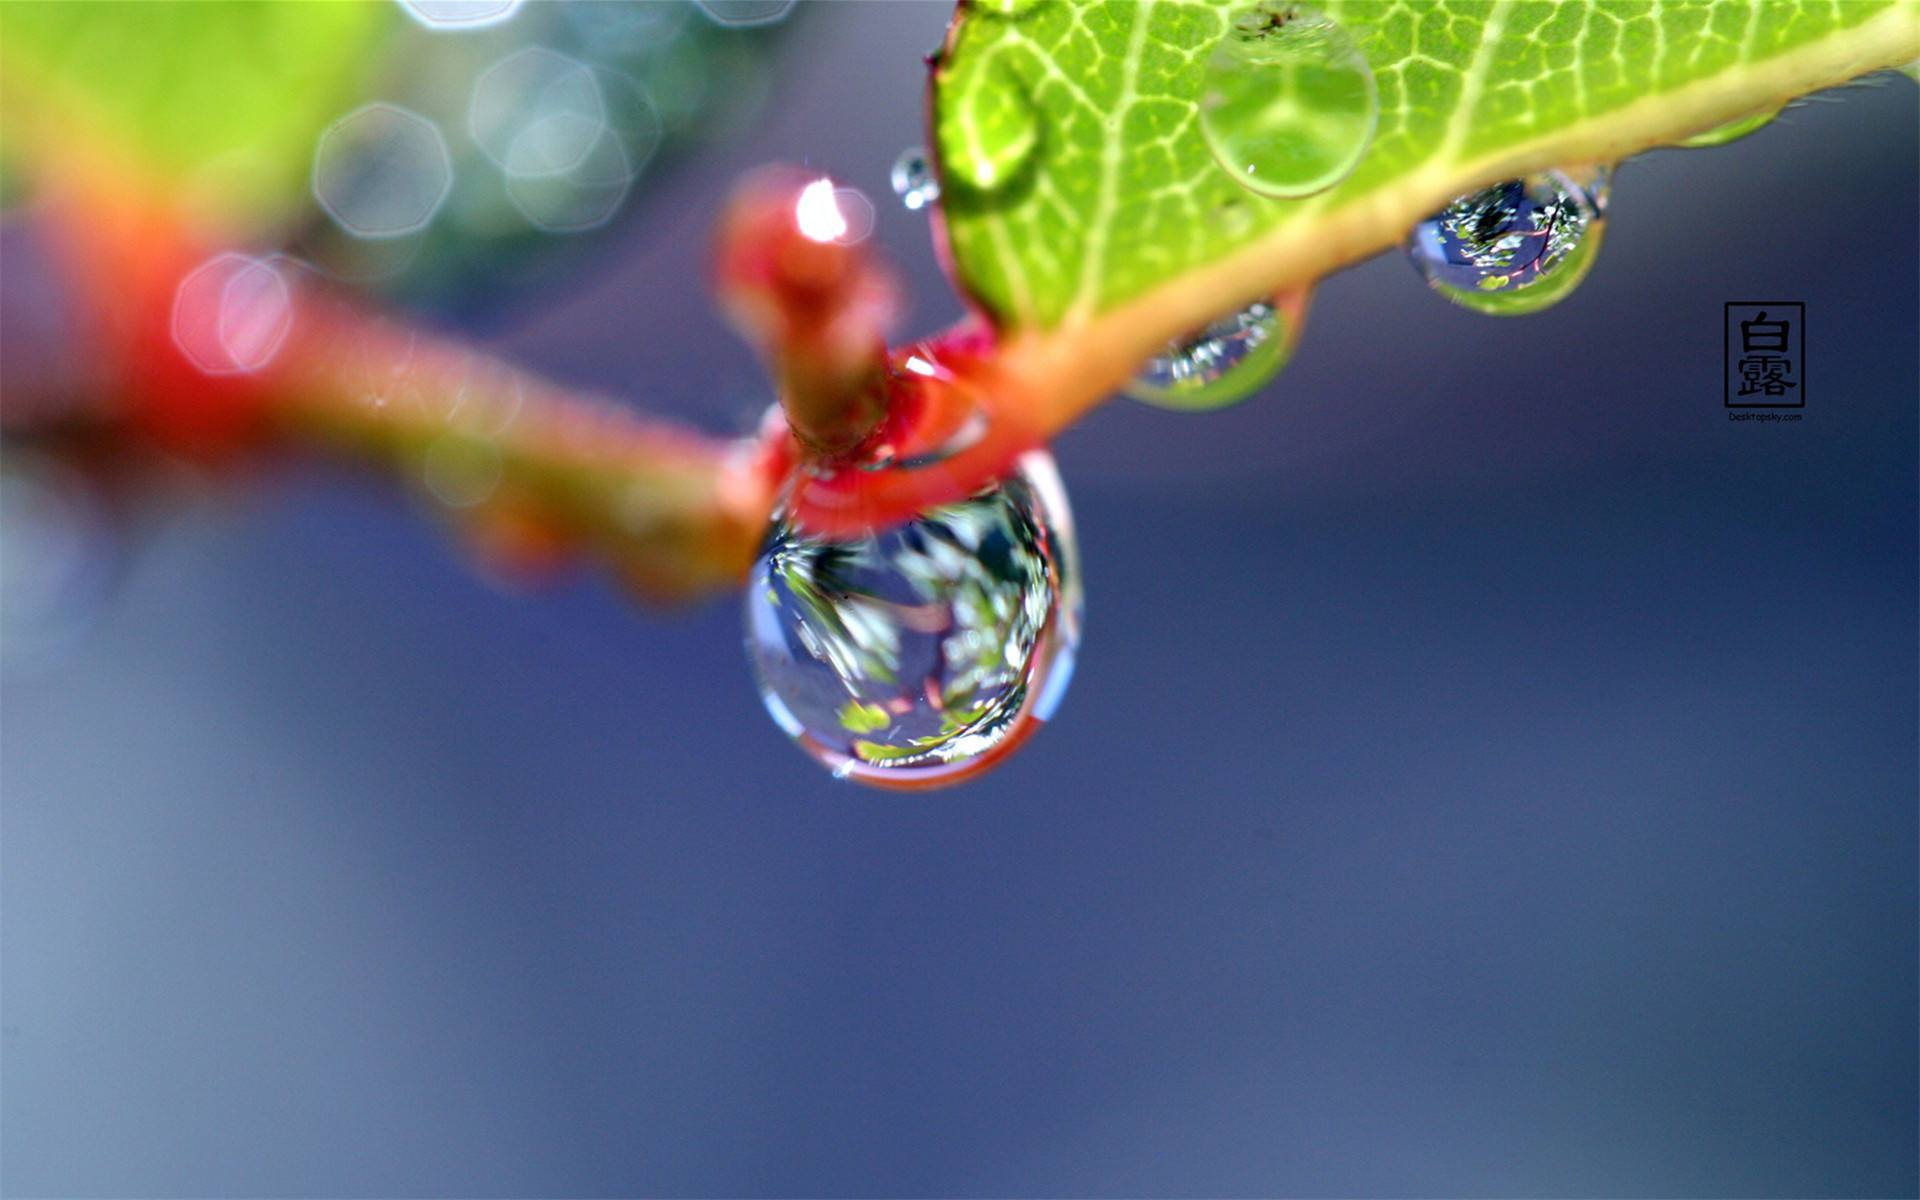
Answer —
(1732, 131)
(988, 128)
(1011, 9)
(913, 178)
(1289, 104)
(1224, 362)
(1515, 247)
(922, 654)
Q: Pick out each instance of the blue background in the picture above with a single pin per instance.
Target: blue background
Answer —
(1490, 772)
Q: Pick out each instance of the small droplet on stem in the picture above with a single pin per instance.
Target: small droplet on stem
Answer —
(913, 179)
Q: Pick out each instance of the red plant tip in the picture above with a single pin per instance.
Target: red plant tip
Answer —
(954, 424)
(790, 271)
(818, 213)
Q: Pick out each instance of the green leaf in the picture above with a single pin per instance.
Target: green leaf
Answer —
(225, 98)
(1107, 190)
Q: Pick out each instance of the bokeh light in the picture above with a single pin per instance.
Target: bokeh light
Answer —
(569, 138)
(232, 313)
(536, 111)
(382, 171)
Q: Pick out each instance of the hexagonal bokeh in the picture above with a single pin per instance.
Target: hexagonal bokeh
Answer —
(232, 313)
(536, 111)
(382, 171)
(569, 138)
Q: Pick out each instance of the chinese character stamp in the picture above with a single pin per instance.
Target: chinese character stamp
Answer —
(1766, 354)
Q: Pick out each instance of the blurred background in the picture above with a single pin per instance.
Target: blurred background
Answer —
(1490, 770)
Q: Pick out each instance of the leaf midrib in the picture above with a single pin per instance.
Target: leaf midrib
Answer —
(1073, 365)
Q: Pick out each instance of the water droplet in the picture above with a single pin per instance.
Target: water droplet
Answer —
(1012, 9)
(922, 654)
(382, 171)
(1235, 216)
(1225, 361)
(987, 127)
(1513, 248)
(1289, 104)
(1732, 131)
(1598, 183)
(913, 178)
(460, 14)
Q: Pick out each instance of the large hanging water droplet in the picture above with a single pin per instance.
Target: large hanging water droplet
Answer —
(1513, 248)
(1289, 104)
(1732, 131)
(920, 655)
(1225, 361)
(986, 126)
(913, 178)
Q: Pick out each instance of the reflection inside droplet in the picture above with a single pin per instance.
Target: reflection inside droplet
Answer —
(1223, 362)
(921, 654)
(1513, 248)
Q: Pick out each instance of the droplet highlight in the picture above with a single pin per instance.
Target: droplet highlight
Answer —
(1221, 363)
(1513, 248)
(1013, 10)
(1289, 103)
(921, 655)
(914, 180)
(987, 126)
